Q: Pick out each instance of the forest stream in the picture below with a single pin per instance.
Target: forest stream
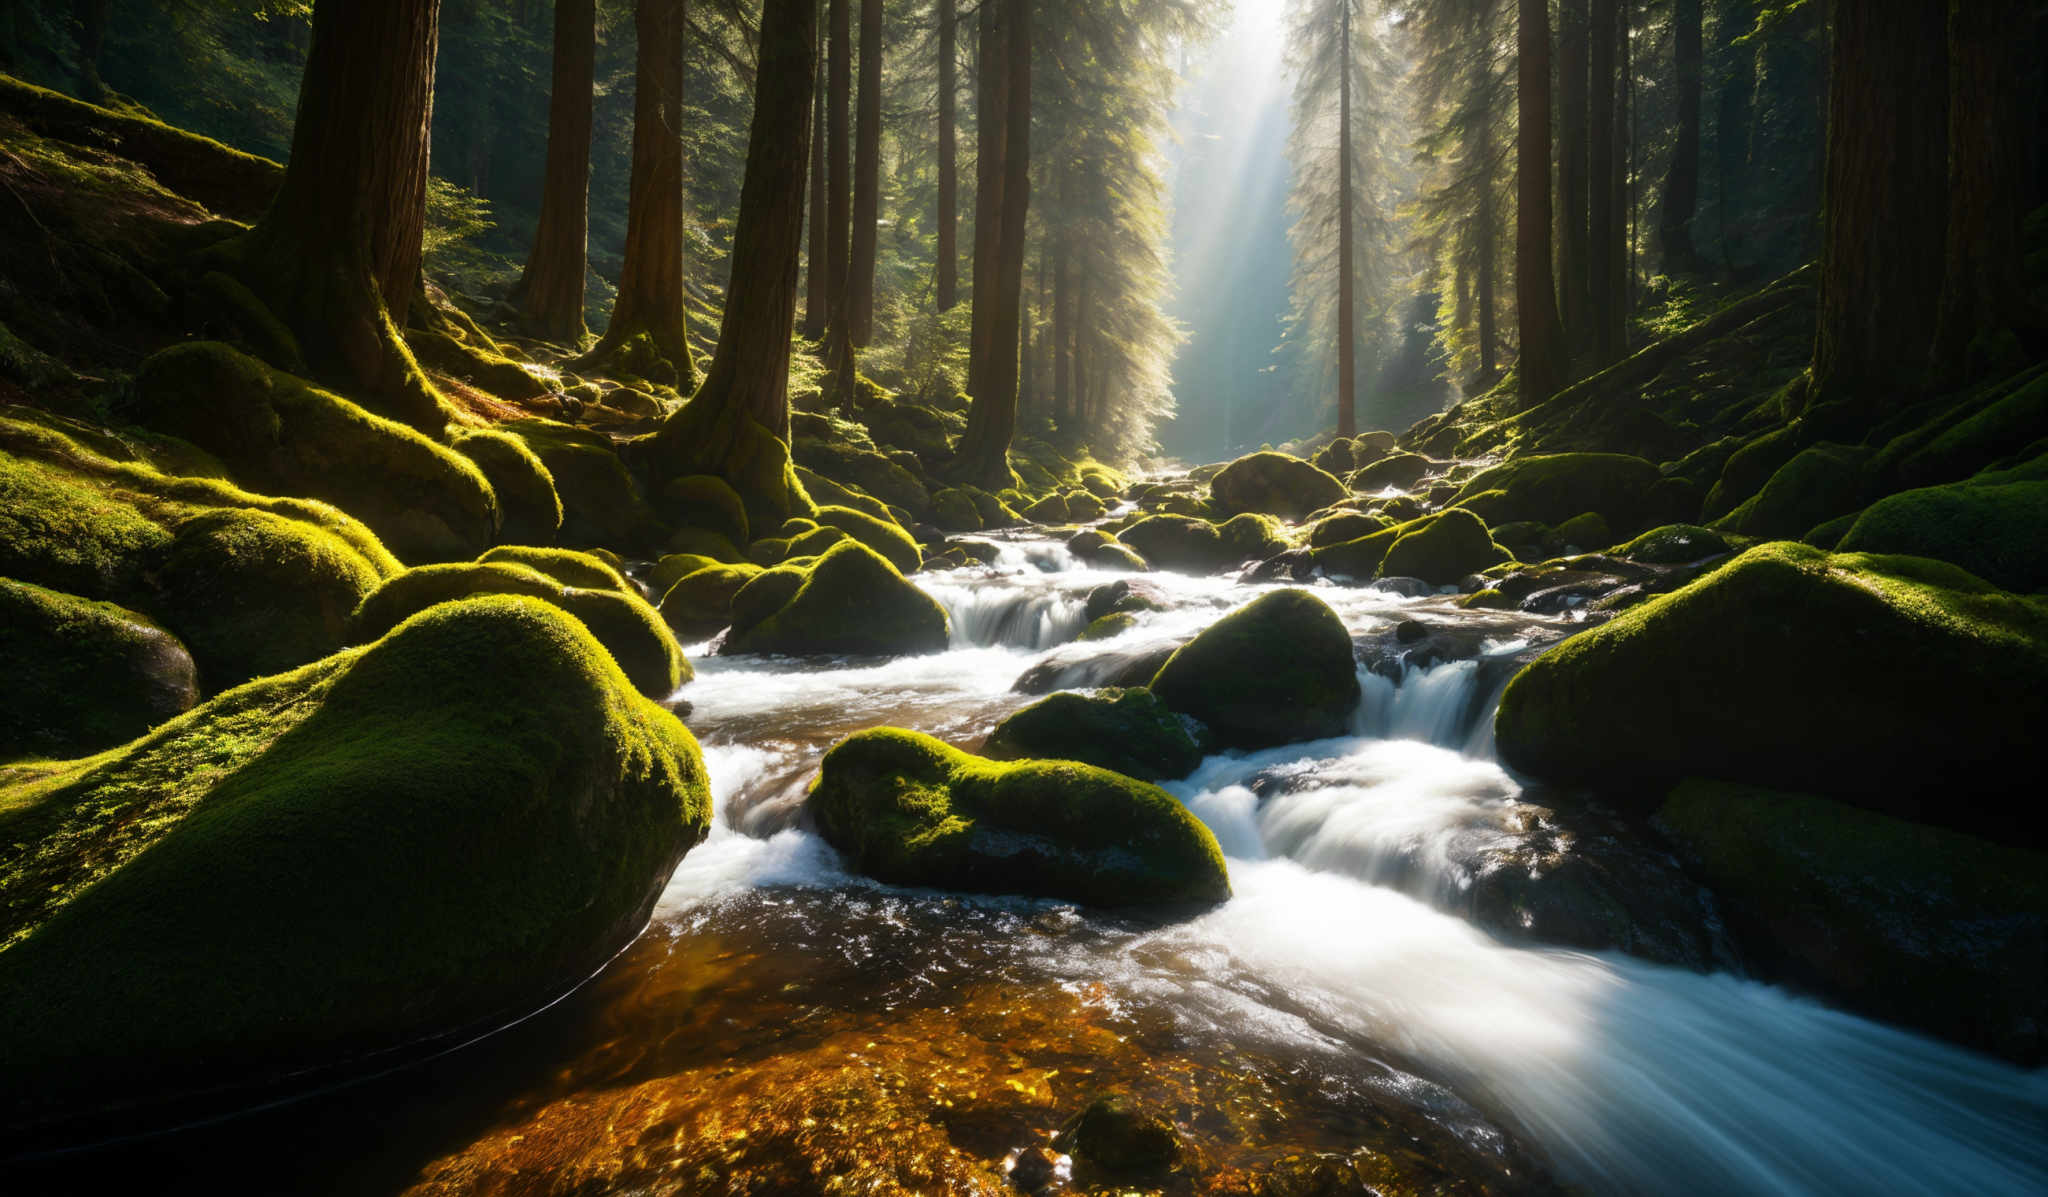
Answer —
(1339, 1020)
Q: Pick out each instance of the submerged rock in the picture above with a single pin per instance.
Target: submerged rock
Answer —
(1116, 1135)
(1276, 670)
(851, 600)
(1896, 683)
(426, 836)
(81, 675)
(910, 810)
(1274, 484)
(1125, 731)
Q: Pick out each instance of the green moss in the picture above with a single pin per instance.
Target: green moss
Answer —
(1963, 447)
(1349, 525)
(1398, 470)
(628, 628)
(698, 543)
(1359, 560)
(707, 437)
(824, 490)
(531, 511)
(1108, 627)
(954, 511)
(707, 501)
(281, 434)
(601, 503)
(1897, 683)
(1125, 731)
(1937, 930)
(1487, 600)
(1253, 537)
(1817, 484)
(700, 602)
(674, 568)
(814, 542)
(247, 891)
(1553, 488)
(83, 675)
(883, 536)
(1052, 509)
(1274, 484)
(1179, 542)
(64, 533)
(1582, 533)
(907, 809)
(1442, 549)
(1102, 481)
(1674, 544)
(1276, 670)
(1999, 533)
(1748, 468)
(566, 566)
(1117, 557)
(850, 601)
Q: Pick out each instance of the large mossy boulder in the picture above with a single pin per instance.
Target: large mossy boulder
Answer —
(883, 536)
(566, 566)
(1274, 484)
(1896, 683)
(709, 502)
(279, 434)
(1442, 549)
(1183, 543)
(84, 675)
(850, 600)
(530, 512)
(1999, 533)
(1940, 931)
(601, 502)
(1553, 488)
(412, 841)
(909, 810)
(1125, 731)
(1399, 471)
(700, 602)
(1819, 483)
(624, 623)
(1276, 670)
(1673, 544)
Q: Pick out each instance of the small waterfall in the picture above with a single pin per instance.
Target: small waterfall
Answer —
(1438, 705)
(992, 613)
(1036, 556)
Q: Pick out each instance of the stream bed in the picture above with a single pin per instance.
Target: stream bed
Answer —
(1357, 1018)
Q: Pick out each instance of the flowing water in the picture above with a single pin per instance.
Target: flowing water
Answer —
(1340, 1022)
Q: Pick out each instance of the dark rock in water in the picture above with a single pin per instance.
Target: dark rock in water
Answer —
(83, 676)
(1124, 594)
(1034, 1168)
(1116, 1135)
(1405, 587)
(1408, 631)
(981, 552)
(1277, 670)
(1565, 590)
(1274, 484)
(909, 810)
(1674, 544)
(1294, 565)
(1085, 666)
(1125, 731)
(1894, 683)
(1934, 929)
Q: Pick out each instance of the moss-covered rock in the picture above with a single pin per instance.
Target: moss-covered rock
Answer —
(674, 567)
(823, 490)
(1556, 487)
(1747, 469)
(1816, 485)
(1400, 471)
(907, 809)
(84, 675)
(851, 600)
(1276, 670)
(700, 603)
(1125, 731)
(883, 536)
(1274, 484)
(1941, 931)
(624, 624)
(530, 512)
(566, 566)
(248, 892)
(1673, 544)
(252, 593)
(1348, 525)
(1442, 549)
(954, 511)
(709, 502)
(1108, 627)
(1999, 533)
(696, 542)
(601, 502)
(873, 473)
(1051, 509)
(1083, 506)
(1179, 542)
(1253, 537)
(280, 434)
(1580, 534)
(1895, 683)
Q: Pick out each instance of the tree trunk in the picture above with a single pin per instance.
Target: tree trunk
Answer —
(1542, 364)
(867, 167)
(947, 282)
(1682, 180)
(816, 286)
(1081, 307)
(1347, 322)
(737, 425)
(1601, 211)
(649, 325)
(551, 290)
(1489, 337)
(1731, 130)
(92, 17)
(1985, 309)
(839, 163)
(338, 254)
(1062, 321)
(984, 451)
(990, 133)
(1886, 208)
(1574, 282)
(1627, 212)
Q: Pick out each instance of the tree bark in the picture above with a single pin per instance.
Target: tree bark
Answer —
(1885, 211)
(551, 289)
(1347, 321)
(1682, 180)
(1062, 319)
(867, 167)
(1731, 130)
(947, 282)
(1489, 337)
(649, 324)
(1574, 282)
(816, 286)
(1985, 309)
(839, 163)
(991, 131)
(1601, 210)
(737, 425)
(984, 450)
(92, 17)
(338, 254)
(1542, 365)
